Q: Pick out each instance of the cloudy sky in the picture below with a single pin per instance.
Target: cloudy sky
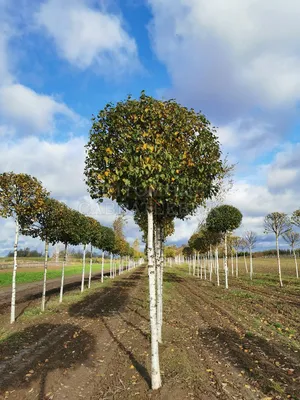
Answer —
(237, 61)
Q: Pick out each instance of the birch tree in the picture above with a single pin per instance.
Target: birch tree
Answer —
(224, 219)
(156, 157)
(22, 197)
(292, 238)
(105, 241)
(279, 224)
(84, 232)
(94, 229)
(69, 234)
(45, 227)
(250, 239)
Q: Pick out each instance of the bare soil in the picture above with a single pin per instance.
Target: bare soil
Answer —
(217, 344)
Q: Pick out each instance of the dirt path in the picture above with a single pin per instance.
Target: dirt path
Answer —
(98, 348)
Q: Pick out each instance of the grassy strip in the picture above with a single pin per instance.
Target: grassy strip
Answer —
(35, 276)
(53, 306)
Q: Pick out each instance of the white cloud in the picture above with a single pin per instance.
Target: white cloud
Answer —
(58, 165)
(87, 36)
(30, 111)
(247, 136)
(284, 172)
(230, 56)
(22, 110)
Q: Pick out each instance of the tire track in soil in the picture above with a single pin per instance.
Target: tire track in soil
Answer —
(260, 350)
(266, 307)
(224, 381)
(256, 311)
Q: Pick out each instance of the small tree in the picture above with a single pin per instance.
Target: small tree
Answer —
(105, 240)
(22, 197)
(46, 228)
(69, 234)
(250, 239)
(84, 232)
(277, 223)
(94, 229)
(293, 239)
(224, 219)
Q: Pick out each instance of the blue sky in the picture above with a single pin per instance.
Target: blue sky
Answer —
(237, 61)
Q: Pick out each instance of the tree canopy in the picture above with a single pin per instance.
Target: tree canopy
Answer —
(224, 219)
(21, 195)
(147, 143)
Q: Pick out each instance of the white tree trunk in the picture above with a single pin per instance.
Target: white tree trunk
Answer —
(296, 264)
(102, 267)
(45, 275)
(63, 274)
(14, 276)
(226, 262)
(83, 268)
(155, 368)
(236, 265)
(210, 263)
(194, 264)
(111, 266)
(158, 280)
(278, 262)
(91, 265)
(246, 266)
(251, 264)
(201, 267)
(161, 240)
(232, 269)
(217, 267)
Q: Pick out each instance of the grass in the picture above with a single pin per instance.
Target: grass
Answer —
(54, 306)
(35, 276)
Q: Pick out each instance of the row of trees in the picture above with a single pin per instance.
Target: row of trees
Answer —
(23, 198)
(212, 234)
(281, 224)
(220, 222)
(161, 161)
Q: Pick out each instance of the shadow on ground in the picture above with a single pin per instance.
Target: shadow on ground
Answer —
(171, 277)
(31, 354)
(266, 363)
(107, 302)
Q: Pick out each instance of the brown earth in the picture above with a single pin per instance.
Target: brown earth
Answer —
(217, 344)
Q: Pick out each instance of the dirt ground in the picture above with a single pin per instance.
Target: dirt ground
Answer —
(238, 344)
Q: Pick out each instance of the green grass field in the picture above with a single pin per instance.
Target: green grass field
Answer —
(34, 276)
